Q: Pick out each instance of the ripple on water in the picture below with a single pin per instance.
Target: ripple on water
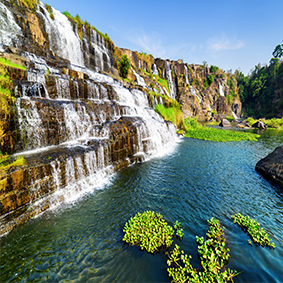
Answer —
(82, 242)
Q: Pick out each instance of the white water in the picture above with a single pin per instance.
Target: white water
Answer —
(8, 27)
(78, 123)
(154, 70)
(234, 115)
(221, 90)
(194, 93)
(63, 41)
(170, 81)
(186, 72)
(140, 80)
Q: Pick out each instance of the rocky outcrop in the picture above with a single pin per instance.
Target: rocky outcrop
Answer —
(259, 125)
(224, 123)
(74, 120)
(272, 165)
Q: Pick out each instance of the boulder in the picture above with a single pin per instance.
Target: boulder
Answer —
(259, 125)
(243, 124)
(272, 165)
(225, 123)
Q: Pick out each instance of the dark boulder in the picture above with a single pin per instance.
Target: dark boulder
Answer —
(243, 124)
(259, 125)
(272, 165)
(225, 123)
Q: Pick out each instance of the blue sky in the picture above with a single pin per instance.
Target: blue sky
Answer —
(228, 34)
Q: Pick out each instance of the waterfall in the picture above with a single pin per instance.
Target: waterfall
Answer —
(194, 93)
(221, 90)
(186, 72)
(154, 70)
(63, 40)
(140, 80)
(9, 29)
(170, 80)
(234, 115)
(70, 124)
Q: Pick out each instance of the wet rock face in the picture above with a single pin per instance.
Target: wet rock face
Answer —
(272, 165)
(53, 170)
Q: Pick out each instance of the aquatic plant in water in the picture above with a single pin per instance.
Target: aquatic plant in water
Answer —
(150, 231)
(252, 227)
(213, 256)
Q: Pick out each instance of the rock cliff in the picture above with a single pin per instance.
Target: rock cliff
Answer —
(73, 118)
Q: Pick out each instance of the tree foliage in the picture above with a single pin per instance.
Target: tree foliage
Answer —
(125, 65)
(258, 90)
(278, 51)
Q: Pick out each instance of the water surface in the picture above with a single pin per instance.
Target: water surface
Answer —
(82, 241)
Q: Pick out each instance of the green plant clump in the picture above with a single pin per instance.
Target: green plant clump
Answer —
(125, 65)
(150, 231)
(213, 256)
(219, 135)
(252, 227)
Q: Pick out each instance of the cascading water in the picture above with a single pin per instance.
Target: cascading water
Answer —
(186, 73)
(140, 80)
(194, 93)
(9, 29)
(171, 84)
(71, 121)
(221, 90)
(154, 70)
(63, 40)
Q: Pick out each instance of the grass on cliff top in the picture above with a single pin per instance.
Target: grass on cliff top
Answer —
(30, 4)
(79, 22)
(195, 130)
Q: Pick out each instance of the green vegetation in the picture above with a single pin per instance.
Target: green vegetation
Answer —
(5, 165)
(212, 254)
(274, 123)
(6, 103)
(124, 66)
(150, 231)
(210, 79)
(30, 4)
(257, 234)
(7, 63)
(213, 69)
(278, 51)
(265, 84)
(195, 130)
(171, 112)
(230, 118)
(49, 9)
(79, 23)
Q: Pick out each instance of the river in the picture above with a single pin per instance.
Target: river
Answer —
(81, 241)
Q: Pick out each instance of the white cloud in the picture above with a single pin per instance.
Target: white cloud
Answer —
(224, 43)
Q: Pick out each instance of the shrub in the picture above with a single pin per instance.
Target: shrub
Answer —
(125, 65)
(210, 79)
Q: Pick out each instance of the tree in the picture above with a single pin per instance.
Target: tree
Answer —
(278, 51)
(125, 65)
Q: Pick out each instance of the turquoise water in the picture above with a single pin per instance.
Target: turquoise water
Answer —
(82, 241)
